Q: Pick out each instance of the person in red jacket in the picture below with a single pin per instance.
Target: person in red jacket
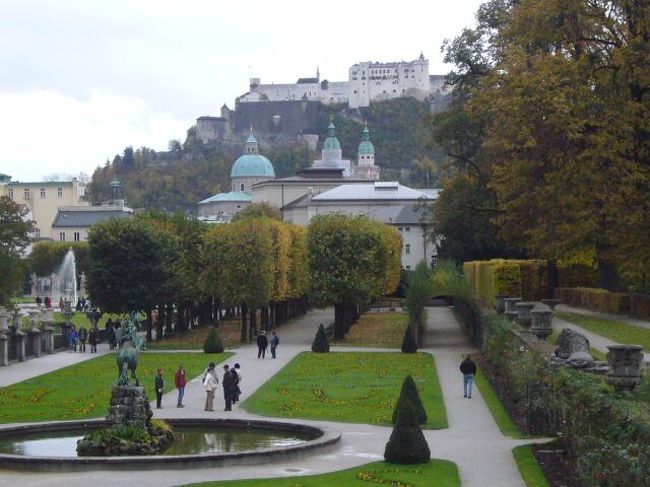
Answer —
(180, 385)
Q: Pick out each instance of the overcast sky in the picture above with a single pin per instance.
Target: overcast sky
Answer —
(80, 80)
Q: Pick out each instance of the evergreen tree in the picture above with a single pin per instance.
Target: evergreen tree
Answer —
(213, 343)
(407, 444)
(409, 393)
(409, 344)
(321, 343)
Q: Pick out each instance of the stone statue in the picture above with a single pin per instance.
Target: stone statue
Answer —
(130, 344)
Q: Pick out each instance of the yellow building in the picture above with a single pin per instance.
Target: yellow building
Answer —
(43, 200)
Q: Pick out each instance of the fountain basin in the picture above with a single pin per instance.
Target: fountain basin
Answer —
(284, 441)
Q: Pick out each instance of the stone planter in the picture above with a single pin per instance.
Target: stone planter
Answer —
(541, 323)
(523, 313)
(625, 362)
(499, 304)
(4, 316)
(4, 350)
(510, 304)
(552, 303)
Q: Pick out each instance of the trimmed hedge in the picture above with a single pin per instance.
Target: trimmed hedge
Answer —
(595, 299)
(320, 344)
(640, 306)
(407, 444)
(516, 278)
(409, 343)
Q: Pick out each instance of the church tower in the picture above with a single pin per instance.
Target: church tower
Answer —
(366, 158)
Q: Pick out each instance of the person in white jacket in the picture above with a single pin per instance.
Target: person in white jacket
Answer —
(210, 383)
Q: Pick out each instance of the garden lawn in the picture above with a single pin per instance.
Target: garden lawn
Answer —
(436, 473)
(378, 330)
(356, 387)
(614, 330)
(494, 404)
(229, 332)
(83, 390)
(528, 467)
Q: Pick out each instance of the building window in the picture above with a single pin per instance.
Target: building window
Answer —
(37, 233)
(399, 229)
(407, 249)
(61, 236)
(408, 267)
(407, 229)
(27, 193)
(242, 186)
(76, 236)
(10, 193)
(59, 192)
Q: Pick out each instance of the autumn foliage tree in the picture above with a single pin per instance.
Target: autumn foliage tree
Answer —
(351, 261)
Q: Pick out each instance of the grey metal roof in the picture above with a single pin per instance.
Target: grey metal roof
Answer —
(408, 214)
(86, 217)
(380, 190)
(301, 202)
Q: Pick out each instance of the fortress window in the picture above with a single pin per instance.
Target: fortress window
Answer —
(26, 193)
(10, 193)
(242, 186)
(61, 236)
(42, 192)
(59, 192)
(76, 236)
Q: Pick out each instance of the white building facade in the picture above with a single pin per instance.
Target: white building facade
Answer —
(367, 81)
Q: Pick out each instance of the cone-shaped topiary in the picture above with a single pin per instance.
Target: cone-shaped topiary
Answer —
(409, 344)
(321, 343)
(213, 343)
(407, 444)
(409, 393)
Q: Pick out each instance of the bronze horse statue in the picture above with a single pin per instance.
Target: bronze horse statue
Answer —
(130, 344)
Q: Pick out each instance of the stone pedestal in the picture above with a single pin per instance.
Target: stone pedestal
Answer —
(499, 304)
(48, 333)
(523, 313)
(48, 316)
(625, 363)
(4, 350)
(541, 323)
(4, 316)
(129, 406)
(552, 303)
(510, 310)
(34, 335)
(20, 345)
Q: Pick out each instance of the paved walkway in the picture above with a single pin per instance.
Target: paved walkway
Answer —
(472, 441)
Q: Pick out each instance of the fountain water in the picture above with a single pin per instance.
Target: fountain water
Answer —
(67, 277)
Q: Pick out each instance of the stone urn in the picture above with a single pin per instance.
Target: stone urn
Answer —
(500, 304)
(541, 323)
(552, 303)
(625, 362)
(524, 309)
(510, 310)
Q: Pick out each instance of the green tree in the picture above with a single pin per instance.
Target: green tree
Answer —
(409, 392)
(320, 344)
(407, 444)
(258, 210)
(213, 343)
(14, 237)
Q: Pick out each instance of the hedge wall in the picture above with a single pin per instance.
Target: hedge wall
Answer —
(516, 278)
(596, 299)
(640, 305)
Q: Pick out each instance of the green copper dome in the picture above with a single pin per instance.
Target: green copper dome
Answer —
(366, 147)
(331, 142)
(252, 165)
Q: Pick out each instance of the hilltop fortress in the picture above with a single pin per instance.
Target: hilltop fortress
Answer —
(289, 112)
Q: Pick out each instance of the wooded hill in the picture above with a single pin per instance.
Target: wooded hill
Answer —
(189, 172)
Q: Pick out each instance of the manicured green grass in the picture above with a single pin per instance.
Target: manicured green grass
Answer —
(379, 330)
(528, 467)
(436, 473)
(356, 387)
(614, 330)
(83, 390)
(494, 404)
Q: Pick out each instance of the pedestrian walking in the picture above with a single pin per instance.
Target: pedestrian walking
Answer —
(61, 304)
(47, 302)
(227, 387)
(275, 340)
(83, 336)
(235, 390)
(72, 339)
(160, 387)
(262, 343)
(93, 338)
(468, 369)
(210, 382)
(38, 301)
(180, 385)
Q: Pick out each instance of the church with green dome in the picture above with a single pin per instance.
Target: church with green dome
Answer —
(250, 168)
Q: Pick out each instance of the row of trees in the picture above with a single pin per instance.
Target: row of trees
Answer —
(256, 264)
(549, 131)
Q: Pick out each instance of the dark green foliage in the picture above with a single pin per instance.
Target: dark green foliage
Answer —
(419, 289)
(407, 444)
(47, 256)
(409, 344)
(13, 239)
(321, 344)
(409, 393)
(213, 343)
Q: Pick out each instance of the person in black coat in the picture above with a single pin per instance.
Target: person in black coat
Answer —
(262, 343)
(93, 338)
(160, 387)
(228, 386)
(468, 369)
